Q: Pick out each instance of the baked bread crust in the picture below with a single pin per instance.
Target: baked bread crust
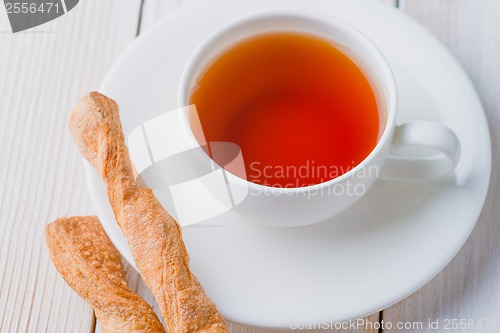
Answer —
(154, 237)
(90, 264)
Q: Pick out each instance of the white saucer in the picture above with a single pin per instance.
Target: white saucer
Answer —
(382, 249)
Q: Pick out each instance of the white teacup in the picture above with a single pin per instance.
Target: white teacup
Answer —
(307, 205)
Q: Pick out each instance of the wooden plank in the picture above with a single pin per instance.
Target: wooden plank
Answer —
(152, 11)
(43, 72)
(390, 2)
(469, 287)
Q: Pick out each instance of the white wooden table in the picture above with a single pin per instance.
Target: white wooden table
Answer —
(43, 72)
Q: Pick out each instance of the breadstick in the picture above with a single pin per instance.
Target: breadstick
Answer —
(91, 265)
(154, 237)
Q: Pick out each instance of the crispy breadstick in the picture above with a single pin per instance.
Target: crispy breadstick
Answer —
(91, 265)
(154, 237)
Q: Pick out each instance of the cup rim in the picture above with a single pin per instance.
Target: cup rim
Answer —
(376, 56)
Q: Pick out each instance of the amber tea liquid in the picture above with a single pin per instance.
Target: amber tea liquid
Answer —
(301, 111)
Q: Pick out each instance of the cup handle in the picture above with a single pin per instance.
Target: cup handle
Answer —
(422, 134)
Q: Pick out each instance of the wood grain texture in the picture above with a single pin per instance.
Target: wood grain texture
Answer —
(469, 288)
(43, 71)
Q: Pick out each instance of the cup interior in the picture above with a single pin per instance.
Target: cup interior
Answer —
(343, 36)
